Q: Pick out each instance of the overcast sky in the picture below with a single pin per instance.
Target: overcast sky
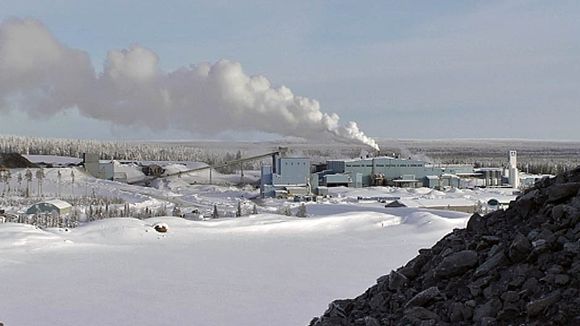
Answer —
(401, 69)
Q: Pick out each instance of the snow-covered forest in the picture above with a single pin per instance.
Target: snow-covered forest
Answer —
(549, 157)
(106, 149)
(205, 151)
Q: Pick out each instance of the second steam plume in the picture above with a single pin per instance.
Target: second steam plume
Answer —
(42, 76)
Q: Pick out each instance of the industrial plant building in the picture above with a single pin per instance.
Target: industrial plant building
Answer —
(292, 175)
(286, 176)
(297, 176)
(391, 171)
(97, 168)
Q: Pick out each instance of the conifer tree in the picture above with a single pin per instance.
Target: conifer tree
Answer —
(255, 210)
(301, 211)
(239, 209)
(215, 213)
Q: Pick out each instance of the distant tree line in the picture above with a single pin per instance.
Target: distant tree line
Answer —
(129, 151)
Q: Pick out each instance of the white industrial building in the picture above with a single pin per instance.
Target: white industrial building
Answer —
(97, 168)
(513, 174)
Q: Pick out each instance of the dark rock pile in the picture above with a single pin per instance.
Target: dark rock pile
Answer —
(15, 161)
(520, 266)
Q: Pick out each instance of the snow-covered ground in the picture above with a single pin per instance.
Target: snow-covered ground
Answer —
(426, 197)
(261, 270)
(264, 269)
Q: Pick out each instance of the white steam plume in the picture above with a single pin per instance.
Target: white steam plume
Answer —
(40, 75)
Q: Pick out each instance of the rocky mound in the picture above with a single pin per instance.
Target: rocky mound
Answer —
(14, 161)
(520, 266)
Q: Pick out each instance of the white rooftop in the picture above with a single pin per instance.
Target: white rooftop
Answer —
(60, 204)
(376, 158)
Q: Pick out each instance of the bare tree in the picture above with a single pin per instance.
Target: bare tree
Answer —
(19, 178)
(40, 178)
(72, 184)
(28, 176)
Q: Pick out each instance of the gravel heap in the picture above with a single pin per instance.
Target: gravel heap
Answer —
(512, 267)
(15, 161)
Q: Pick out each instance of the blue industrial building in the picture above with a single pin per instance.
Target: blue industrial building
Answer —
(295, 176)
(392, 171)
(292, 175)
(286, 175)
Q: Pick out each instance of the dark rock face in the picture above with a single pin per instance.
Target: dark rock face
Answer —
(456, 263)
(515, 267)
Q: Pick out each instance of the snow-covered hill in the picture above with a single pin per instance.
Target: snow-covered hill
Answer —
(260, 270)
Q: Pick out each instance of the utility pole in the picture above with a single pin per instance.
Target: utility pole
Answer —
(72, 184)
(241, 172)
(59, 180)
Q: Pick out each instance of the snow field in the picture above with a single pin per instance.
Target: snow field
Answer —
(261, 270)
(264, 269)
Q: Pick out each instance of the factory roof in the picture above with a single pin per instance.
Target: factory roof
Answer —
(489, 169)
(374, 158)
(295, 158)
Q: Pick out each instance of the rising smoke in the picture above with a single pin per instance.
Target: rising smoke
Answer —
(41, 76)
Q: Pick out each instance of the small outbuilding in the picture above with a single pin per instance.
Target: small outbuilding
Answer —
(50, 206)
(395, 204)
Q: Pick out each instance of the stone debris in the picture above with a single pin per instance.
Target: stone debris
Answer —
(520, 266)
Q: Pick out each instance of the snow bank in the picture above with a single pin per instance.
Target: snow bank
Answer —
(261, 270)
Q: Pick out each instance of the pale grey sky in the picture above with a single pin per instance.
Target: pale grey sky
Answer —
(401, 69)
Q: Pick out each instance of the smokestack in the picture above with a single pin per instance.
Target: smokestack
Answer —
(41, 76)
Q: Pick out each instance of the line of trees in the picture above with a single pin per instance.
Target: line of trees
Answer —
(191, 152)
(117, 150)
(97, 209)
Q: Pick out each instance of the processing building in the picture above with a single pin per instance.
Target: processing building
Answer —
(392, 171)
(289, 176)
(286, 176)
(293, 175)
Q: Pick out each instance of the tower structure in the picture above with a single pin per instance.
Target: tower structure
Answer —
(514, 179)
